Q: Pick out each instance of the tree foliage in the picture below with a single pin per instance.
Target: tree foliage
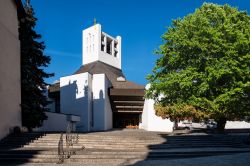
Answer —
(33, 62)
(205, 63)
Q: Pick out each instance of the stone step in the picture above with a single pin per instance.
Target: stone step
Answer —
(140, 147)
(120, 144)
(127, 137)
(133, 145)
(18, 160)
(51, 157)
(124, 139)
(84, 140)
(85, 156)
(141, 141)
(85, 162)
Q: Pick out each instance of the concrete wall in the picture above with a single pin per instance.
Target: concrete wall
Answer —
(91, 44)
(10, 87)
(108, 109)
(55, 122)
(101, 106)
(75, 95)
(237, 125)
(150, 121)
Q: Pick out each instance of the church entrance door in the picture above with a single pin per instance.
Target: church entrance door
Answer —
(126, 120)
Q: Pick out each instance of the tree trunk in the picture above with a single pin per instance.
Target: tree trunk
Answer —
(175, 125)
(221, 124)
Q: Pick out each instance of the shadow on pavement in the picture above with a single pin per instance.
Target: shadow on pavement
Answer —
(195, 146)
(12, 151)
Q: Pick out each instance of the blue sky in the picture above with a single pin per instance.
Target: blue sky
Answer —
(140, 23)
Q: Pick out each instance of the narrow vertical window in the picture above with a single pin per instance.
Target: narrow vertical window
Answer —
(102, 42)
(92, 111)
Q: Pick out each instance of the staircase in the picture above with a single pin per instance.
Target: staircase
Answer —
(116, 146)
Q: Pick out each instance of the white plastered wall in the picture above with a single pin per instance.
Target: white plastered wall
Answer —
(150, 121)
(108, 110)
(55, 122)
(75, 96)
(102, 112)
(58, 122)
(237, 125)
(10, 85)
(91, 47)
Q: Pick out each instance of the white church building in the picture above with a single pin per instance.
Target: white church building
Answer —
(97, 97)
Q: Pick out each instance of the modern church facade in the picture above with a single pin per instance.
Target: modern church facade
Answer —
(97, 96)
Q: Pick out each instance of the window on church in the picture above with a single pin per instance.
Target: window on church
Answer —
(102, 42)
(109, 46)
(115, 54)
(115, 48)
(102, 48)
(92, 111)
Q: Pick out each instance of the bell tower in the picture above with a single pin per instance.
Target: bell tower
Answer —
(99, 46)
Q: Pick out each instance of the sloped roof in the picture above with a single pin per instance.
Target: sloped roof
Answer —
(111, 72)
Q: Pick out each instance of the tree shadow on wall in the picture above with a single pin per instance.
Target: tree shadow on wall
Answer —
(81, 102)
(74, 101)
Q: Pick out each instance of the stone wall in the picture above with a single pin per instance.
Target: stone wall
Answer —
(10, 87)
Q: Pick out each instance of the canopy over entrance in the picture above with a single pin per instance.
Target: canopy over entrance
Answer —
(127, 106)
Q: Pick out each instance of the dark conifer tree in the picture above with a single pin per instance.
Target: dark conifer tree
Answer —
(33, 62)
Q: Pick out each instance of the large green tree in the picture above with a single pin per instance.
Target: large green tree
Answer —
(204, 64)
(33, 62)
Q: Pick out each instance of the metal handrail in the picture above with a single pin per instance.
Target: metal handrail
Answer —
(71, 139)
(60, 150)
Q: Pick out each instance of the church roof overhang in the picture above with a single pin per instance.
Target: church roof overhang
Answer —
(127, 100)
(127, 92)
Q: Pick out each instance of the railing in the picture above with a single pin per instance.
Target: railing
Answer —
(60, 150)
(71, 140)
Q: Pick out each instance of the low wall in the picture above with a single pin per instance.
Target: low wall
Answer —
(57, 122)
(237, 125)
(151, 122)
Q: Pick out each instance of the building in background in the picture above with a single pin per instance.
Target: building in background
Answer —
(98, 91)
(11, 12)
